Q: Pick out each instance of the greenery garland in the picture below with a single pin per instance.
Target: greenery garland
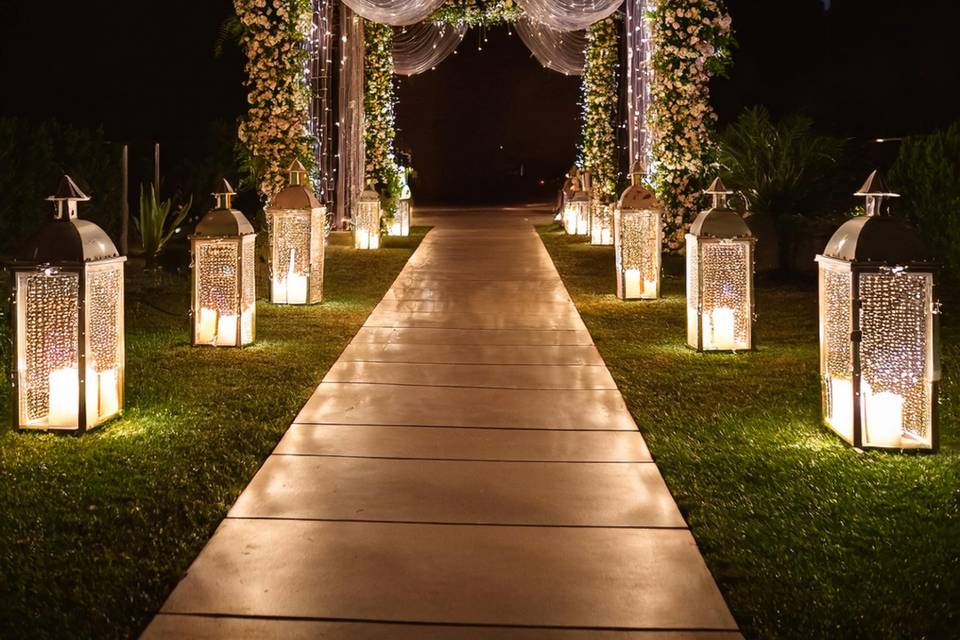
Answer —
(600, 99)
(274, 130)
(378, 103)
(692, 42)
(477, 13)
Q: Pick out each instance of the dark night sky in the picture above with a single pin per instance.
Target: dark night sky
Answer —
(145, 70)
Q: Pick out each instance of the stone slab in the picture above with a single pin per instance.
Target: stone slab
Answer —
(470, 354)
(491, 337)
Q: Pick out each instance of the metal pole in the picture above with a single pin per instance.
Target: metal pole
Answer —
(124, 199)
(156, 169)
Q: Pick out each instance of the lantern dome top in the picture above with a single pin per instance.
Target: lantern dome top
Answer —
(67, 239)
(719, 221)
(636, 196)
(223, 221)
(297, 194)
(369, 193)
(875, 237)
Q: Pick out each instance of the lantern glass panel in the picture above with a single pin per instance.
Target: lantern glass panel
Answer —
(220, 311)
(366, 225)
(725, 277)
(638, 253)
(318, 222)
(576, 217)
(248, 301)
(48, 349)
(400, 226)
(292, 230)
(896, 358)
(693, 291)
(601, 224)
(836, 353)
(104, 335)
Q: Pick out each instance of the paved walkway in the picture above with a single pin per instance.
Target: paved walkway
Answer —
(466, 470)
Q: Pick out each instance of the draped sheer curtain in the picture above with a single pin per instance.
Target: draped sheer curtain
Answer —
(396, 13)
(639, 76)
(568, 15)
(423, 46)
(562, 51)
(351, 165)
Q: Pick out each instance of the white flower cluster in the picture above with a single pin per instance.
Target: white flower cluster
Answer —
(379, 118)
(274, 130)
(599, 103)
(692, 40)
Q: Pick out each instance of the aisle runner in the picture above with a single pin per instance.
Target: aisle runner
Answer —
(467, 469)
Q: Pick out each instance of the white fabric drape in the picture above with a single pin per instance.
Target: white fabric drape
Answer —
(351, 165)
(562, 51)
(639, 76)
(396, 13)
(568, 15)
(423, 46)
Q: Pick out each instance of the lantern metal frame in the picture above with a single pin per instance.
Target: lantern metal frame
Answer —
(869, 246)
(714, 229)
(225, 226)
(367, 217)
(68, 246)
(638, 210)
(295, 210)
(400, 225)
(576, 212)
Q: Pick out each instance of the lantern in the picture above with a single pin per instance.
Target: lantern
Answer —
(296, 221)
(601, 222)
(224, 290)
(879, 361)
(400, 225)
(719, 277)
(68, 323)
(576, 212)
(566, 192)
(638, 241)
(366, 219)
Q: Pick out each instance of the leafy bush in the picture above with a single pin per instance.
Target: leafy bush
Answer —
(927, 174)
(34, 155)
(155, 225)
(782, 167)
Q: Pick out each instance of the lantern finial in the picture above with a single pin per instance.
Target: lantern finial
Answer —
(875, 191)
(637, 172)
(718, 190)
(223, 192)
(297, 173)
(66, 198)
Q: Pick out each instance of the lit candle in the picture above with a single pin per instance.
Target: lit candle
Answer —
(569, 219)
(207, 326)
(246, 324)
(649, 289)
(884, 413)
(227, 330)
(720, 329)
(841, 407)
(64, 404)
(631, 283)
(108, 393)
(296, 285)
(396, 229)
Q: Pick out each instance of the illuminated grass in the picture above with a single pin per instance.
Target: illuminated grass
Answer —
(96, 530)
(806, 537)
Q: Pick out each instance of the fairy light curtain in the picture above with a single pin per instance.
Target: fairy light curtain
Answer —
(639, 77)
(319, 74)
(423, 46)
(568, 15)
(352, 152)
(561, 51)
(396, 13)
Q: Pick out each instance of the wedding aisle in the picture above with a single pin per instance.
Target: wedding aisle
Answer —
(467, 469)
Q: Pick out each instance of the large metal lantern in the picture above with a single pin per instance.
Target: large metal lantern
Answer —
(366, 219)
(566, 191)
(400, 225)
(719, 277)
(296, 221)
(224, 287)
(68, 323)
(638, 241)
(576, 212)
(879, 361)
(601, 222)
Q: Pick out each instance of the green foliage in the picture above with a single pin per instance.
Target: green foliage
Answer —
(927, 175)
(600, 100)
(97, 530)
(378, 104)
(33, 156)
(783, 168)
(155, 225)
(806, 537)
(477, 13)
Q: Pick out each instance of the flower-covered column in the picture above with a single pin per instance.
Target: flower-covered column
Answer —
(600, 100)
(274, 130)
(378, 110)
(692, 41)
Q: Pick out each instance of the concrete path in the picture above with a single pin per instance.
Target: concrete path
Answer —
(466, 470)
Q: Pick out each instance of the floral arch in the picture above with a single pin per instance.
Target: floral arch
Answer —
(321, 77)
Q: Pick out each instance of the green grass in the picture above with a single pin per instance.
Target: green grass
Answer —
(806, 537)
(96, 530)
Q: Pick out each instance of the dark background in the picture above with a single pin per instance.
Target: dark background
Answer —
(145, 70)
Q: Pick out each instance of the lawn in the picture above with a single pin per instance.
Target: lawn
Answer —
(96, 530)
(806, 537)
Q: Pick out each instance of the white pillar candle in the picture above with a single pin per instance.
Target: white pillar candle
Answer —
(631, 284)
(841, 407)
(246, 324)
(64, 402)
(108, 393)
(720, 329)
(649, 289)
(207, 326)
(227, 330)
(279, 288)
(884, 414)
(296, 284)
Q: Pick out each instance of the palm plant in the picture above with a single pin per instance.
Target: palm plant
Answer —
(156, 225)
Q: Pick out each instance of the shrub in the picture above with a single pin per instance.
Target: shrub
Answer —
(156, 225)
(927, 174)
